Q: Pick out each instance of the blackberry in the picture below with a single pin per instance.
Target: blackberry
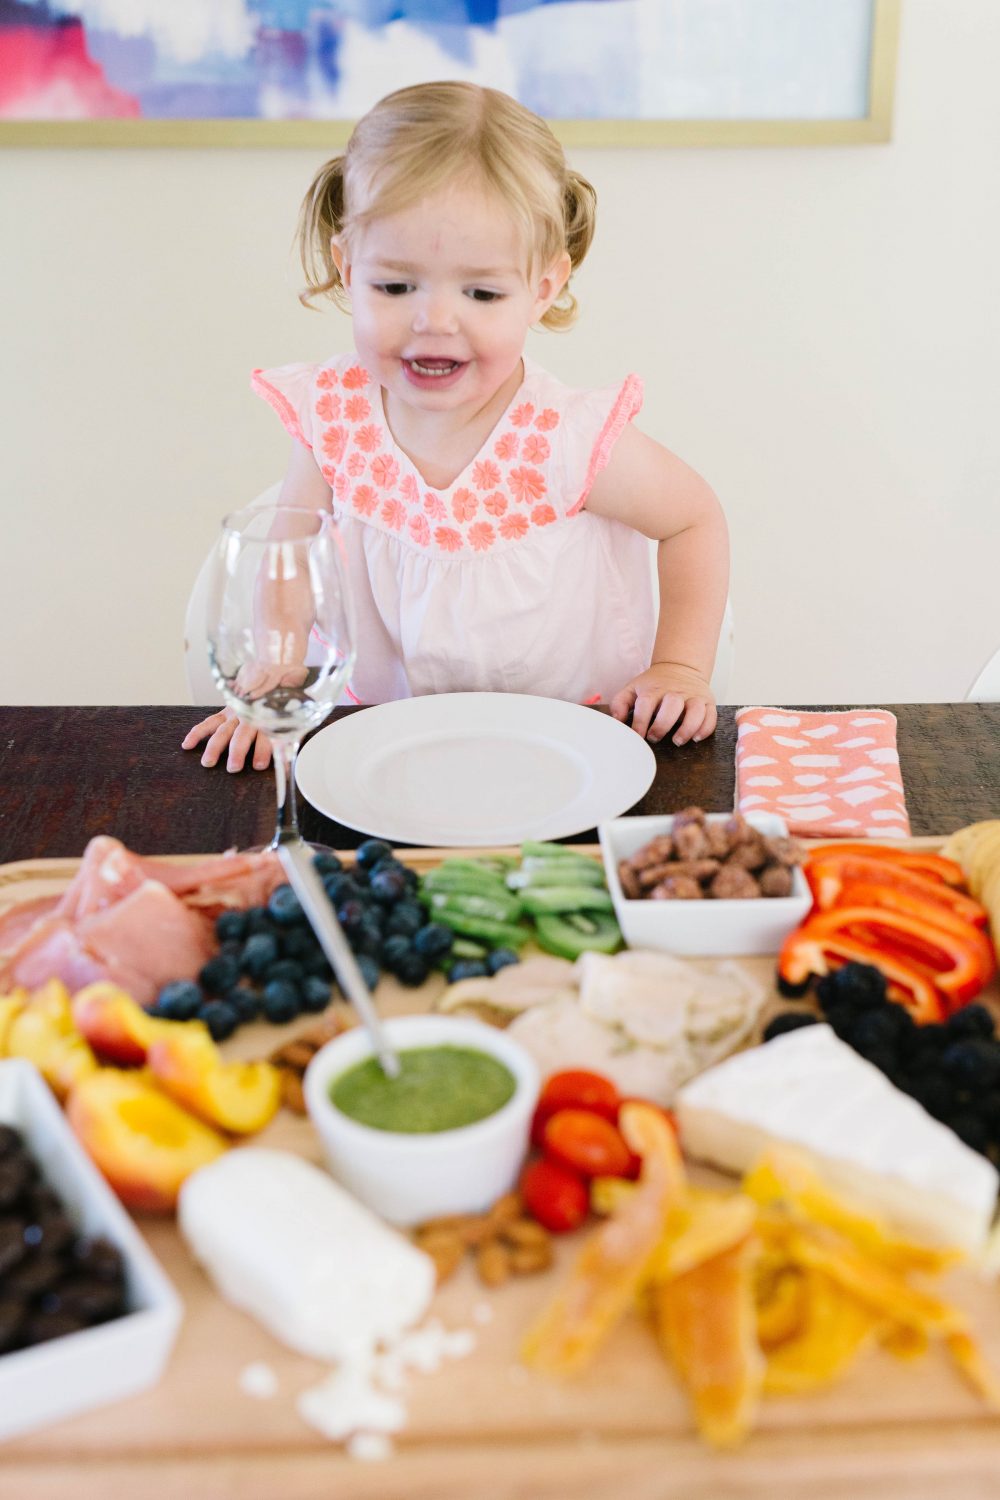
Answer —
(785, 1021)
(860, 985)
(793, 991)
(971, 1128)
(973, 1065)
(841, 1019)
(972, 1021)
(876, 1031)
(179, 1001)
(220, 1017)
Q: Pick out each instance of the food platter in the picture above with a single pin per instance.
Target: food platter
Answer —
(475, 769)
(484, 1425)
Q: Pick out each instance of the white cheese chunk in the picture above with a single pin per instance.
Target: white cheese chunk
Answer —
(809, 1089)
(283, 1241)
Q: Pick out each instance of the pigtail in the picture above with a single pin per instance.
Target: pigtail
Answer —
(321, 217)
(580, 220)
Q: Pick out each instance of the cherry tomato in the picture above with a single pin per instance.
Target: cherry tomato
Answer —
(574, 1089)
(587, 1143)
(554, 1195)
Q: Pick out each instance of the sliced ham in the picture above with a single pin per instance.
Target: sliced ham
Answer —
(52, 950)
(148, 938)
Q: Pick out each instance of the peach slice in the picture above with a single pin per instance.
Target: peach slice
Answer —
(240, 1097)
(11, 1005)
(117, 1028)
(42, 1031)
(143, 1143)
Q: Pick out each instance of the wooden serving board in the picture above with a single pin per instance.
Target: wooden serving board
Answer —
(485, 1428)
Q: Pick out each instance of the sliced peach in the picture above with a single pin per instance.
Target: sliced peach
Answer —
(52, 1001)
(117, 1028)
(61, 1056)
(143, 1143)
(11, 1005)
(240, 1097)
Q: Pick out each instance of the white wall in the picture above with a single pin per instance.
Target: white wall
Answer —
(819, 331)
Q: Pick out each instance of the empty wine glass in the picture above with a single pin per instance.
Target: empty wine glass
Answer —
(281, 639)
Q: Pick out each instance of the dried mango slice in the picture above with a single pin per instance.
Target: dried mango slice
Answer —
(969, 1358)
(876, 1287)
(703, 1226)
(613, 1264)
(782, 1298)
(705, 1319)
(835, 1330)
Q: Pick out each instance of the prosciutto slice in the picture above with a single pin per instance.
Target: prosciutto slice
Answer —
(135, 921)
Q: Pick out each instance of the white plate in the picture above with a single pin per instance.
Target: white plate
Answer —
(475, 768)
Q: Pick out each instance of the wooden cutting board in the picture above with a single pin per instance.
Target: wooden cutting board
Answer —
(484, 1428)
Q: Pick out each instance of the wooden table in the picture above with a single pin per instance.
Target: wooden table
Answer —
(68, 773)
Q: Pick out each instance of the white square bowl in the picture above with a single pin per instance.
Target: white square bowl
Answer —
(707, 928)
(82, 1370)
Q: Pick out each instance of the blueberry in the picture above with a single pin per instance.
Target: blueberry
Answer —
(406, 917)
(219, 974)
(501, 958)
(288, 969)
(326, 863)
(231, 947)
(367, 936)
(350, 915)
(340, 888)
(973, 1021)
(412, 969)
(434, 940)
(231, 924)
(284, 906)
(315, 994)
(221, 1019)
(297, 942)
(787, 1020)
(259, 951)
(371, 851)
(179, 1001)
(467, 968)
(316, 965)
(972, 1064)
(370, 971)
(387, 886)
(258, 920)
(245, 1001)
(394, 950)
(281, 1001)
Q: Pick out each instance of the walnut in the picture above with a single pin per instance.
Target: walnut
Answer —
(733, 882)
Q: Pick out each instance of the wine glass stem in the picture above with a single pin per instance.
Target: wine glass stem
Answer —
(285, 749)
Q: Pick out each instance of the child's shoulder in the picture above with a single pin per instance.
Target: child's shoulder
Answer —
(543, 390)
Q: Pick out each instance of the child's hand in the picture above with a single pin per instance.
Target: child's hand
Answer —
(662, 695)
(225, 729)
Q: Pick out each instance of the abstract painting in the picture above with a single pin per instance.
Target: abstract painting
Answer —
(136, 63)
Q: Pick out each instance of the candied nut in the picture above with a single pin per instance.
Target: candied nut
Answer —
(653, 874)
(689, 815)
(653, 853)
(629, 881)
(697, 869)
(749, 853)
(493, 1263)
(292, 1096)
(718, 840)
(526, 1259)
(446, 1249)
(738, 830)
(776, 880)
(733, 882)
(783, 851)
(521, 1234)
(677, 888)
(691, 841)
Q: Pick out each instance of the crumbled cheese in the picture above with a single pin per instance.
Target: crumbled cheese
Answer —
(347, 1401)
(370, 1447)
(259, 1380)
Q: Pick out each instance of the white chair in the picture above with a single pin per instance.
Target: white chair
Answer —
(986, 688)
(201, 683)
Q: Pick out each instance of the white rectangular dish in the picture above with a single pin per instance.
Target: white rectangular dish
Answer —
(71, 1374)
(709, 928)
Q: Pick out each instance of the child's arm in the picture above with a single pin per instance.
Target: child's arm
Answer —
(647, 487)
(303, 485)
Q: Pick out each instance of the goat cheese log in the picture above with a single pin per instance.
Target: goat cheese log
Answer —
(281, 1240)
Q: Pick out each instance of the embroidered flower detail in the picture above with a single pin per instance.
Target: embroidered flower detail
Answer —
(329, 473)
(543, 515)
(342, 488)
(481, 536)
(356, 408)
(496, 503)
(513, 526)
(448, 539)
(434, 506)
(356, 465)
(326, 379)
(520, 416)
(527, 484)
(505, 447)
(355, 379)
(365, 500)
(334, 443)
(535, 449)
(385, 471)
(547, 419)
(485, 475)
(368, 438)
(328, 408)
(409, 489)
(420, 530)
(464, 505)
(394, 514)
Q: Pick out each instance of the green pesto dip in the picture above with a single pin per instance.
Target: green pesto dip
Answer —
(438, 1088)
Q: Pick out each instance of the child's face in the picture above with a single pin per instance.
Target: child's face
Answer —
(442, 299)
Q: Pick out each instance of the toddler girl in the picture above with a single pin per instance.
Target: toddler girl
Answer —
(496, 521)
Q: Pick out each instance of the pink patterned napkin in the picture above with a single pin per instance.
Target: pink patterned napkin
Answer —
(826, 774)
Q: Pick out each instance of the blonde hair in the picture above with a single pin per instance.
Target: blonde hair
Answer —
(420, 139)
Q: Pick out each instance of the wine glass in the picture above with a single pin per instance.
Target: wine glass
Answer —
(281, 639)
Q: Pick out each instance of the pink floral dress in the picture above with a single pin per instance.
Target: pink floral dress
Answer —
(502, 582)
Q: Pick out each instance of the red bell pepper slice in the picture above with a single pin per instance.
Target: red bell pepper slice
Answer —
(956, 958)
(809, 951)
(834, 880)
(920, 861)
